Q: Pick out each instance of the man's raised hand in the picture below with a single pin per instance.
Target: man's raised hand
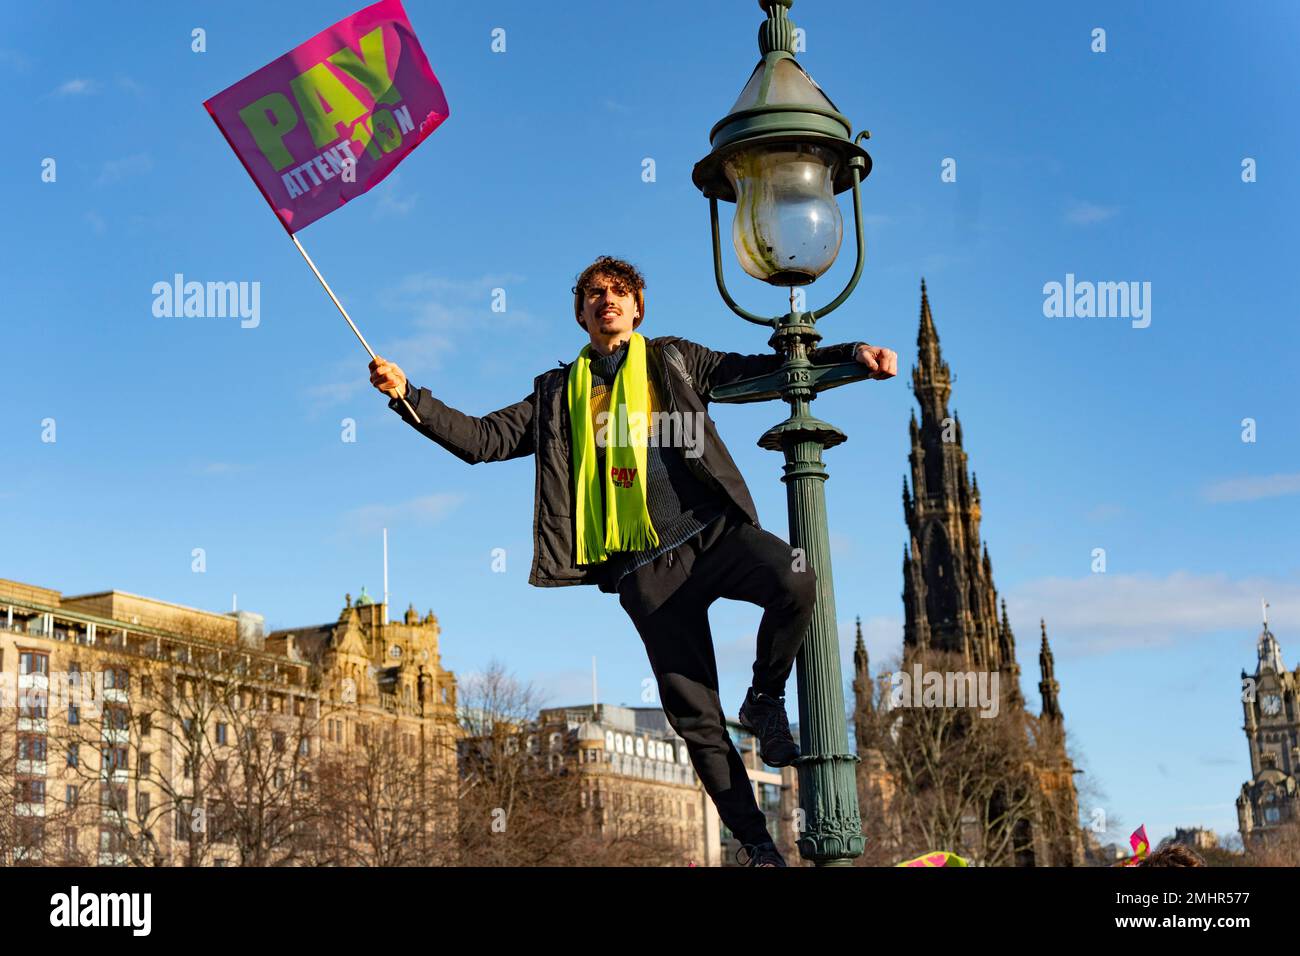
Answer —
(387, 377)
(883, 362)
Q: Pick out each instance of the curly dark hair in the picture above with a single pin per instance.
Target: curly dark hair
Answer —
(1174, 854)
(623, 276)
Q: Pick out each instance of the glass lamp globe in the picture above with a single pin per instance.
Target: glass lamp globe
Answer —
(788, 227)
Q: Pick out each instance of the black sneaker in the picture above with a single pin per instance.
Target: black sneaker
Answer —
(760, 854)
(764, 717)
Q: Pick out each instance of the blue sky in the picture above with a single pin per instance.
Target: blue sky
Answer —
(1086, 433)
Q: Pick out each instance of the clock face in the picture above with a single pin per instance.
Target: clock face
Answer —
(395, 651)
(1271, 704)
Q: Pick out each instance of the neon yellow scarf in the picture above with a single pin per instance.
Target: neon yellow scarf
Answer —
(626, 526)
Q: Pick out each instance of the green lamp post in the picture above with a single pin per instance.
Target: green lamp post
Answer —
(782, 155)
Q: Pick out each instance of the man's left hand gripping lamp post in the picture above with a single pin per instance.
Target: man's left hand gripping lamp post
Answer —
(781, 155)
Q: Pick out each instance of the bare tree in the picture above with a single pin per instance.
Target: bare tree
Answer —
(985, 788)
(1279, 847)
(386, 801)
(214, 748)
(522, 803)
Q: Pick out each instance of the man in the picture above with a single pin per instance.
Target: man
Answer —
(682, 530)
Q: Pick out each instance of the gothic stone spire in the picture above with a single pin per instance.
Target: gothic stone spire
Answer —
(950, 602)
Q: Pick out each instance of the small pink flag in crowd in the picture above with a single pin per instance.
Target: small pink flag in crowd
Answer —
(331, 118)
(1140, 844)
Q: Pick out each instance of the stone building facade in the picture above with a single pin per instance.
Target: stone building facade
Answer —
(636, 769)
(132, 729)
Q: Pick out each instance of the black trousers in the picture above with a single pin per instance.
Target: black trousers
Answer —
(735, 560)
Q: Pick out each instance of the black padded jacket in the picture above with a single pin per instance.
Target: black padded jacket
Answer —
(539, 424)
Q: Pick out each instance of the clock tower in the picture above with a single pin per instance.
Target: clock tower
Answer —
(1269, 698)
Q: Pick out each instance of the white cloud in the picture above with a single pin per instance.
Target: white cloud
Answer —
(1253, 488)
(76, 88)
(1087, 213)
(392, 200)
(336, 393)
(15, 60)
(115, 169)
(426, 510)
(1107, 612)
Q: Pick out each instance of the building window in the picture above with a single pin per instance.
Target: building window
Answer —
(219, 771)
(116, 678)
(112, 842)
(70, 840)
(31, 791)
(114, 758)
(146, 764)
(33, 703)
(221, 733)
(146, 685)
(29, 662)
(277, 741)
(304, 746)
(142, 801)
(31, 748)
(113, 797)
(30, 837)
(116, 718)
(146, 724)
(74, 713)
(73, 754)
(71, 794)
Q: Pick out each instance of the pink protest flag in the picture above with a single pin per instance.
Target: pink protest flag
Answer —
(331, 118)
(1141, 846)
(360, 92)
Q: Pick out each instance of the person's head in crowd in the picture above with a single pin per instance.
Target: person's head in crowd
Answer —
(1174, 854)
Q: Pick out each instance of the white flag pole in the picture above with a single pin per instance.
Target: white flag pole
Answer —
(351, 324)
